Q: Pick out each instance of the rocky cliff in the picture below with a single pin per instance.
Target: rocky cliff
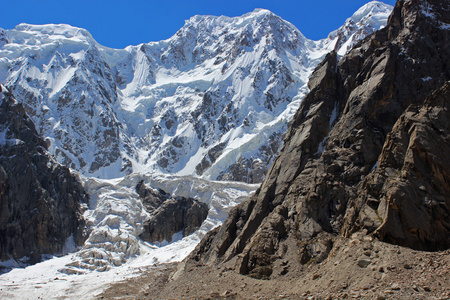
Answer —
(169, 215)
(366, 151)
(40, 200)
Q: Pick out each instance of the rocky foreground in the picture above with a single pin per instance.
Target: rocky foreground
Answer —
(357, 268)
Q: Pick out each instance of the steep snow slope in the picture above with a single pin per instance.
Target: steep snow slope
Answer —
(212, 101)
(68, 90)
(366, 20)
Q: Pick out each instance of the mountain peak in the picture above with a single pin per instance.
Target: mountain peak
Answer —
(260, 12)
(370, 9)
(254, 16)
(367, 19)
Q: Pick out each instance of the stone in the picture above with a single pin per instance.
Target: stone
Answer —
(169, 215)
(363, 263)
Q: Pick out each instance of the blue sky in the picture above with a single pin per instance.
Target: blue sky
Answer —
(119, 23)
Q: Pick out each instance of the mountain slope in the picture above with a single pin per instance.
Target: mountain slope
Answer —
(360, 154)
(213, 100)
(41, 201)
(366, 20)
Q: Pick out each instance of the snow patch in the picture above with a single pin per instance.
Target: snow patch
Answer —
(427, 10)
(334, 115)
(321, 146)
(445, 26)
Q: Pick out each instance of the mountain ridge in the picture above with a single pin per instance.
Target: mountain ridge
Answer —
(240, 91)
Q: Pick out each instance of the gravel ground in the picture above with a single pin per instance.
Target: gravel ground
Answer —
(356, 268)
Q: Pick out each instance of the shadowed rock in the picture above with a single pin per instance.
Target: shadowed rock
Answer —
(40, 200)
(169, 215)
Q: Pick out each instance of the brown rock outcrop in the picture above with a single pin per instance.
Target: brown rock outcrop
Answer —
(169, 215)
(405, 200)
(365, 151)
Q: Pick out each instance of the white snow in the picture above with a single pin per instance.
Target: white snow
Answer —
(322, 146)
(427, 10)
(369, 18)
(44, 281)
(334, 115)
(374, 167)
(114, 209)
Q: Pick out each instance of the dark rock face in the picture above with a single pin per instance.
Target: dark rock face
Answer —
(405, 200)
(253, 170)
(151, 198)
(367, 150)
(209, 158)
(40, 200)
(169, 215)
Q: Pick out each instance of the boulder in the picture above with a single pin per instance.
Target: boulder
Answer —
(169, 215)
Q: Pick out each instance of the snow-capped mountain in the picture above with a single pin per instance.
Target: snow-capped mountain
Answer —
(364, 21)
(213, 100)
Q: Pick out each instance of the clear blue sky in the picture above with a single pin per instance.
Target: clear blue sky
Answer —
(119, 23)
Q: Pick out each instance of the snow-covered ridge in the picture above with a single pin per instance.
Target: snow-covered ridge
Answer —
(195, 104)
(376, 11)
(54, 31)
(366, 20)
